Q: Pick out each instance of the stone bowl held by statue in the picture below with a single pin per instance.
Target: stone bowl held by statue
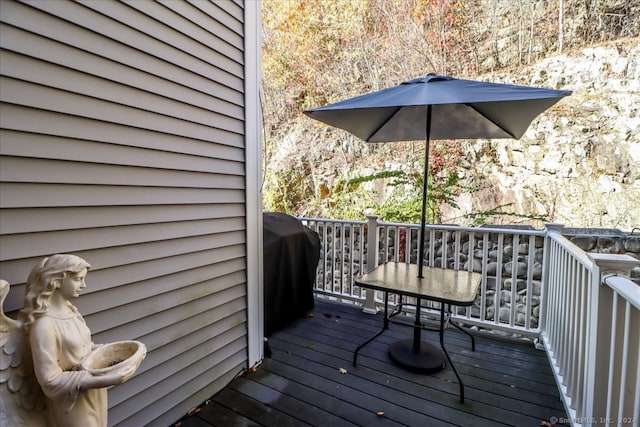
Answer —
(109, 358)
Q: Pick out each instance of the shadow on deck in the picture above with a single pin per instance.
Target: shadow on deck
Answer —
(302, 384)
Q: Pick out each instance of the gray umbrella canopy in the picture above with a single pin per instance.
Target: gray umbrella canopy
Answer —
(439, 107)
(461, 109)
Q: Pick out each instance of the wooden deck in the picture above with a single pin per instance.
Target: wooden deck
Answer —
(302, 384)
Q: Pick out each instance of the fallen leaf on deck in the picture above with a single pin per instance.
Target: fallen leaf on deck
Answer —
(311, 346)
(309, 314)
(380, 413)
(343, 371)
(192, 411)
(544, 423)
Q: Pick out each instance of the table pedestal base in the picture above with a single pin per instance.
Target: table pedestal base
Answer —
(428, 358)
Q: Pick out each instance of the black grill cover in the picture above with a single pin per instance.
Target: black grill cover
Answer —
(290, 258)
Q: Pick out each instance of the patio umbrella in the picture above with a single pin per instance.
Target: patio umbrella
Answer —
(439, 107)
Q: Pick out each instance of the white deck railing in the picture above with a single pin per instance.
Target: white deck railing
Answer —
(537, 284)
(509, 260)
(590, 331)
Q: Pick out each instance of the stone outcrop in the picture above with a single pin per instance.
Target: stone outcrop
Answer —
(578, 163)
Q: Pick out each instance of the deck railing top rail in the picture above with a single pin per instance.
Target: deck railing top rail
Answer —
(622, 286)
(448, 227)
(576, 253)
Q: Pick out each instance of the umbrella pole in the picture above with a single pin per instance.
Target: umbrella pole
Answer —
(425, 185)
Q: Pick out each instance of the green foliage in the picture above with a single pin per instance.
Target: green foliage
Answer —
(343, 200)
(404, 204)
(287, 191)
(481, 218)
(395, 195)
(399, 178)
(349, 202)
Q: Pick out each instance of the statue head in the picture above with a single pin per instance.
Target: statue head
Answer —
(45, 278)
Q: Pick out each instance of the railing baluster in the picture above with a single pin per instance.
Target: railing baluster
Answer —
(324, 257)
(396, 244)
(443, 248)
(636, 406)
(361, 235)
(528, 304)
(497, 300)
(348, 263)
(562, 328)
(613, 353)
(372, 259)
(407, 244)
(554, 296)
(456, 250)
(341, 257)
(430, 248)
(582, 304)
(514, 279)
(483, 286)
(626, 337)
(572, 326)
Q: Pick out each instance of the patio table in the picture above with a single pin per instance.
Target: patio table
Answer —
(445, 286)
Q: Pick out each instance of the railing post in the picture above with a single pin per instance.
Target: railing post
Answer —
(372, 260)
(596, 375)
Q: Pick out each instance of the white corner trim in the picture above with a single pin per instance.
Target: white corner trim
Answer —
(253, 177)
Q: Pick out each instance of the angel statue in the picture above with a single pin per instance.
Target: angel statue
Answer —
(45, 378)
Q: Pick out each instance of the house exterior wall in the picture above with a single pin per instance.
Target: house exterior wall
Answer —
(127, 137)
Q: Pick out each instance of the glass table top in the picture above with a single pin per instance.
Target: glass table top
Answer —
(456, 287)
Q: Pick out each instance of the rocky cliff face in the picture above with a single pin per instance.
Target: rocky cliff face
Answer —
(579, 163)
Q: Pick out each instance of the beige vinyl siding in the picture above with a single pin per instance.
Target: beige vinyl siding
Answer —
(122, 140)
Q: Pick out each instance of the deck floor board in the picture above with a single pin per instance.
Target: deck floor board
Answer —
(310, 380)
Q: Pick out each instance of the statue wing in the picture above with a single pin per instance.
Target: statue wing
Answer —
(22, 400)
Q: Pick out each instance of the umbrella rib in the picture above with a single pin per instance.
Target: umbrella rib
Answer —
(491, 120)
(383, 124)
